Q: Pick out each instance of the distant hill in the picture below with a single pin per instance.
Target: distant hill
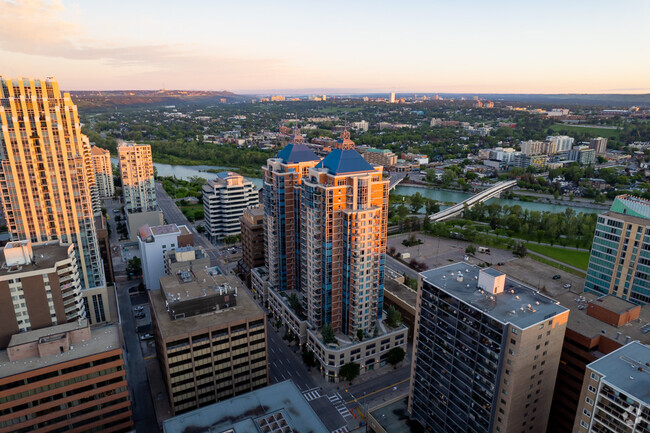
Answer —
(90, 100)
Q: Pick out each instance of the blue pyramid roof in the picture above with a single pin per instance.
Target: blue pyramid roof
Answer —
(296, 152)
(340, 161)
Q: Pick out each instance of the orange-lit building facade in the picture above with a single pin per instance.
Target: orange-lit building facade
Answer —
(65, 378)
(103, 172)
(136, 168)
(282, 179)
(343, 217)
(46, 177)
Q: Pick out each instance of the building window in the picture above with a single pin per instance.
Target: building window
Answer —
(591, 389)
(589, 401)
(594, 377)
(586, 412)
(87, 310)
(514, 331)
(98, 303)
(584, 424)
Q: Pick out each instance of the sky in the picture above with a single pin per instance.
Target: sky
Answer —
(459, 46)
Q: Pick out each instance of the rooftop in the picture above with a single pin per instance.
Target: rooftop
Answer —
(592, 327)
(31, 336)
(199, 283)
(103, 339)
(169, 328)
(341, 161)
(394, 417)
(294, 153)
(46, 255)
(518, 304)
(628, 369)
(401, 291)
(631, 205)
(273, 409)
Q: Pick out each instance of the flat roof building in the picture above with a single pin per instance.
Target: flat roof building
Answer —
(67, 377)
(103, 172)
(210, 337)
(278, 408)
(224, 201)
(136, 168)
(615, 396)
(597, 326)
(154, 242)
(39, 287)
(252, 241)
(486, 353)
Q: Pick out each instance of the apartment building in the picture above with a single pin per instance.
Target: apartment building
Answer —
(136, 171)
(39, 287)
(67, 377)
(384, 157)
(252, 241)
(561, 143)
(597, 326)
(46, 171)
(614, 397)
(154, 242)
(620, 255)
(210, 337)
(282, 179)
(343, 218)
(583, 155)
(599, 144)
(103, 172)
(534, 147)
(486, 353)
(224, 201)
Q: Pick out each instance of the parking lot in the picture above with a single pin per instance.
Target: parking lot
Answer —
(435, 252)
(540, 276)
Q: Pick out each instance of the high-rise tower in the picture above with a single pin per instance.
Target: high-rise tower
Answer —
(282, 178)
(343, 217)
(103, 172)
(45, 173)
(138, 186)
(620, 256)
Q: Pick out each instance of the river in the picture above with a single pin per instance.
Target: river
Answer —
(186, 172)
(457, 197)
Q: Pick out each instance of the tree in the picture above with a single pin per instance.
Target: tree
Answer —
(360, 334)
(349, 371)
(519, 249)
(395, 356)
(416, 202)
(308, 358)
(294, 303)
(134, 267)
(200, 228)
(394, 317)
(328, 334)
(402, 211)
(471, 249)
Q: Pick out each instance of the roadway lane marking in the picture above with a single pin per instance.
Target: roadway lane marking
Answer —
(338, 404)
(356, 400)
(312, 395)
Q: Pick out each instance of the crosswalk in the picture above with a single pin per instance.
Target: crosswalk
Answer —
(338, 404)
(311, 395)
(343, 429)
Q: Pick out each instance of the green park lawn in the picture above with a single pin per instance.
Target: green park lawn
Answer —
(578, 259)
(596, 132)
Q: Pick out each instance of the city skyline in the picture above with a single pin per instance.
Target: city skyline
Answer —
(420, 47)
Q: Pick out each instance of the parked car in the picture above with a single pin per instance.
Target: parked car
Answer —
(116, 211)
(556, 277)
(146, 337)
(140, 316)
(138, 308)
(567, 286)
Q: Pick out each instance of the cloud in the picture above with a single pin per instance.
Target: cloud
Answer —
(40, 28)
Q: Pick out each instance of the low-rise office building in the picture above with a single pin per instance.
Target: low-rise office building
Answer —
(67, 377)
(278, 408)
(154, 242)
(186, 258)
(210, 337)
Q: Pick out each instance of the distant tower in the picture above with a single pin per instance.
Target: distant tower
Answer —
(47, 174)
(136, 168)
(392, 98)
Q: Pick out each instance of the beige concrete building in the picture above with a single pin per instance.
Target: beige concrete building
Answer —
(224, 201)
(210, 337)
(383, 157)
(615, 395)
(67, 377)
(186, 258)
(39, 287)
(46, 175)
(136, 169)
(486, 354)
(252, 241)
(103, 172)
